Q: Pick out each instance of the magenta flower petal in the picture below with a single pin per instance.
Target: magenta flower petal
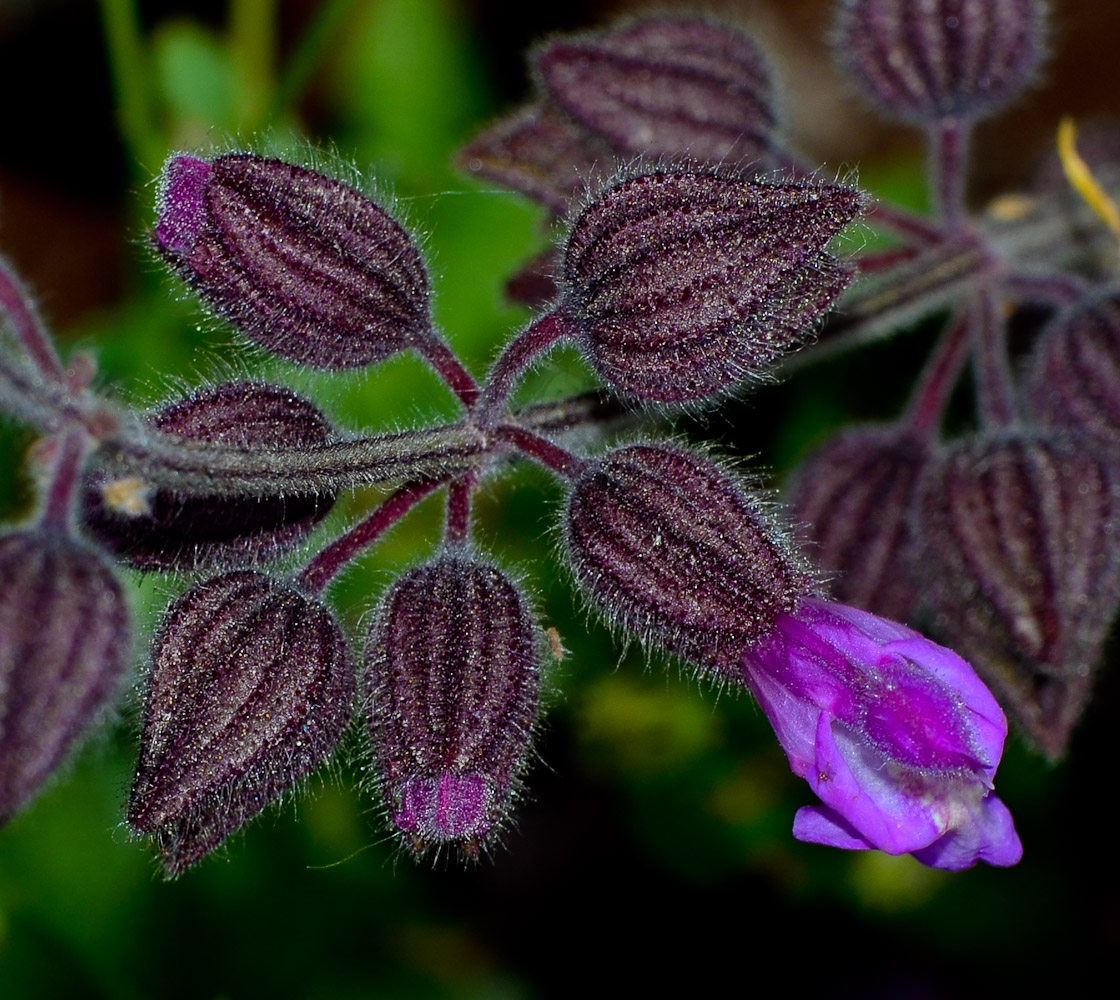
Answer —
(896, 735)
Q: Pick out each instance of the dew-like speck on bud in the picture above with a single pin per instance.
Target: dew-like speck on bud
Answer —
(250, 690)
(1018, 534)
(302, 264)
(671, 548)
(684, 282)
(64, 639)
(959, 59)
(452, 681)
(854, 498)
(668, 88)
(158, 529)
(1075, 374)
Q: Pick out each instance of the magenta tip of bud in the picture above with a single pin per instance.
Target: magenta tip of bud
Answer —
(182, 203)
(445, 807)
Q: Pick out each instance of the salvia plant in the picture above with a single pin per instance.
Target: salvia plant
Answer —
(697, 251)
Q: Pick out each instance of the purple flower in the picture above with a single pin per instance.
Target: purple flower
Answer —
(897, 736)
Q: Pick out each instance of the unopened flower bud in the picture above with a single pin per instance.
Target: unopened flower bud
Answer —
(250, 690)
(937, 59)
(64, 637)
(665, 89)
(854, 498)
(158, 529)
(1075, 375)
(1018, 535)
(671, 548)
(684, 282)
(302, 264)
(452, 679)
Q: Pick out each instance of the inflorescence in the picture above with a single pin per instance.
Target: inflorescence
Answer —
(698, 251)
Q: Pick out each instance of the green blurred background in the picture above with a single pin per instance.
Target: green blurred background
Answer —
(653, 850)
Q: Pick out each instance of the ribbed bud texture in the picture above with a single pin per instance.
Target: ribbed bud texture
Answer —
(1019, 536)
(251, 688)
(64, 636)
(540, 152)
(161, 530)
(452, 681)
(1075, 377)
(665, 89)
(671, 548)
(853, 498)
(922, 61)
(683, 283)
(302, 264)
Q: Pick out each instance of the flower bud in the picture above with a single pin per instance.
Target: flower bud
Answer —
(669, 547)
(939, 59)
(452, 680)
(250, 690)
(665, 89)
(541, 153)
(682, 283)
(162, 530)
(302, 264)
(1075, 374)
(64, 638)
(1019, 534)
(854, 497)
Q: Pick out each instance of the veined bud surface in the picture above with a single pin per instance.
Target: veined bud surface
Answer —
(162, 530)
(665, 88)
(1019, 533)
(923, 61)
(685, 282)
(854, 498)
(64, 639)
(671, 548)
(452, 681)
(1075, 375)
(250, 690)
(302, 264)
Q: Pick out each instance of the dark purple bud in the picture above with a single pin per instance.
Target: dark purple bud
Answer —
(1075, 375)
(1023, 570)
(671, 548)
(250, 690)
(665, 89)
(854, 498)
(302, 264)
(937, 59)
(540, 152)
(683, 283)
(64, 638)
(452, 681)
(162, 530)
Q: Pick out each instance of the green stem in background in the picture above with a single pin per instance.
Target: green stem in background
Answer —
(133, 76)
(252, 45)
(296, 73)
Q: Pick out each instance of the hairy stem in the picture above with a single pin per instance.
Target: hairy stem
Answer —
(931, 395)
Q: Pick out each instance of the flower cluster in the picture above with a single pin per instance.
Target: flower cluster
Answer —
(697, 252)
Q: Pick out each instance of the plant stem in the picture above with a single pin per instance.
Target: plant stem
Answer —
(65, 479)
(541, 450)
(15, 305)
(252, 42)
(459, 496)
(345, 549)
(994, 385)
(931, 395)
(517, 356)
(320, 31)
(132, 83)
(451, 369)
(949, 152)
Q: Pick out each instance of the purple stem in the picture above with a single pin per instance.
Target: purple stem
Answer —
(65, 478)
(342, 551)
(449, 368)
(995, 386)
(459, 496)
(1049, 289)
(931, 395)
(15, 303)
(949, 150)
(884, 260)
(913, 228)
(541, 450)
(512, 362)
